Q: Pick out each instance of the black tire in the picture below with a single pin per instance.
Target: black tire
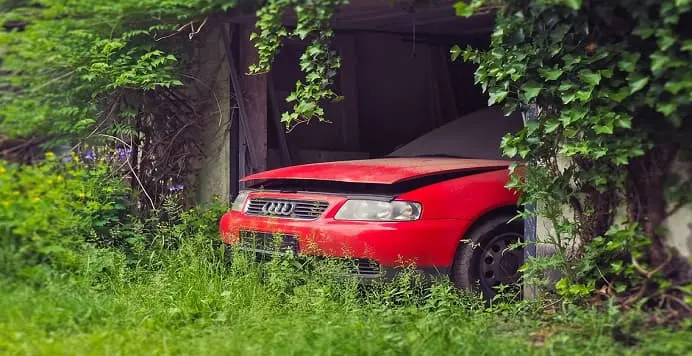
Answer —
(483, 260)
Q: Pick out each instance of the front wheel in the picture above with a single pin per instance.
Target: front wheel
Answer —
(485, 259)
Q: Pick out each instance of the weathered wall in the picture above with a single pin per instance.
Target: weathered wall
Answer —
(213, 91)
(679, 225)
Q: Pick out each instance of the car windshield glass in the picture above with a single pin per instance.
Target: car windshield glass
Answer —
(476, 135)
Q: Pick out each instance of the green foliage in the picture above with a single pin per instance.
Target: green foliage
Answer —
(194, 301)
(179, 290)
(73, 54)
(50, 211)
(319, 63)
(608, 83)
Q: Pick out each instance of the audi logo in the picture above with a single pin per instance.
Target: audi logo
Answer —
(278, 208)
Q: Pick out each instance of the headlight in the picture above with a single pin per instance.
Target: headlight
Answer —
(239, 201)
(379, 210)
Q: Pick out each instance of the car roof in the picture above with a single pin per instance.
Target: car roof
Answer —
(476, 135)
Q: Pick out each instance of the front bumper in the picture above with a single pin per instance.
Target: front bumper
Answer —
(429, 245)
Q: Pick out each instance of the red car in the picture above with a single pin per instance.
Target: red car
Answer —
(420, 205)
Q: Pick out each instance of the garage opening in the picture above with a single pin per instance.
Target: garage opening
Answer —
(398, 84)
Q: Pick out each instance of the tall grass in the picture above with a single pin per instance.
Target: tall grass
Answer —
(198, 299)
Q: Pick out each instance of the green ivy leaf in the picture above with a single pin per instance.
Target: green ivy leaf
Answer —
(666, 108)
(628, 62)
(466, 9)
(675, 86)
(510, 151)
(531, 126)
(624, 122)
(550, 73)
(590, 77)
(637, 82)
(455, 51)
(604, 129)
(584, 95)
(531, 90)
(658, 61)
(497, 96)
(551, 126)
(572, 4)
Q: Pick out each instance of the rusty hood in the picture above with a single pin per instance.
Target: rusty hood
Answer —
(378, 171)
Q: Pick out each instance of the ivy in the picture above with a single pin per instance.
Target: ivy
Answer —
(611, 81)
(319, 63)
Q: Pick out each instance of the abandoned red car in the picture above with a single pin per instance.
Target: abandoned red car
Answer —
(419, 205)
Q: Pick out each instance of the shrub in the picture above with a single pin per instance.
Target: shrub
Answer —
(51, 210)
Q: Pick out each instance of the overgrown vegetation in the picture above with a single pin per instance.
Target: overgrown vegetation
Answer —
(609, 85)
(50, 211)
(319, 62)
(606, 86)
(105, 73)
(170, 287)
(608, 81)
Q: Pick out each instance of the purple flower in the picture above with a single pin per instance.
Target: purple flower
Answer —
(175, 188)
(90, 155)
(123, 153)
(67, 158)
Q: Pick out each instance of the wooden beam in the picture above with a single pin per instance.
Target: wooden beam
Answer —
(255, 97)
(237, 90)
(349, 89)
(285, 153)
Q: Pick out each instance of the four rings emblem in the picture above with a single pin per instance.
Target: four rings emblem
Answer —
(278, 208)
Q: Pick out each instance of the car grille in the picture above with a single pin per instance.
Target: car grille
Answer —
(280, 208)
(268, 243)
(366, 268)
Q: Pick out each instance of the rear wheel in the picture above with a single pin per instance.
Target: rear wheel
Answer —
(484, 260)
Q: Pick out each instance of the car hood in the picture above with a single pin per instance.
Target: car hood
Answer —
(378, 171)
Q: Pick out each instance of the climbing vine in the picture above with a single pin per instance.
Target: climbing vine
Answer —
(610, 86)
(319, 62)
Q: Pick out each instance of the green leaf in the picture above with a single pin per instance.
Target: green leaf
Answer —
(637, 82)
(590, 77)
(658, 61)
(665, 39)
(624, 122)
(687, 46)
(666, 108)
(550, 73)
(455, 51)
(531, 126)
(584, 95)
(628, 62)
(675, 86)
(551, 126)
(615, 95)
(497, 96)
(565, 86)
(568, 98)
(510, 151)
(301, 32)
(572, 4)
(466, 9)
(531, 90)
(604, 129)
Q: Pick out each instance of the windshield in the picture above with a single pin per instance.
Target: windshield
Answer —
(476, 135)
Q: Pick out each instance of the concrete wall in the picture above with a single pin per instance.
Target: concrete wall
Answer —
(212, 87)
(679, 225)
